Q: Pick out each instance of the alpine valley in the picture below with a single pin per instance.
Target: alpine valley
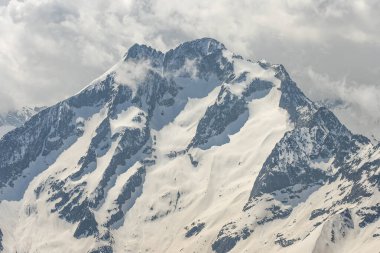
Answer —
(192, 150)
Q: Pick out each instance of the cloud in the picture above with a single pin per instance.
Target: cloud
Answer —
(50, 49)
(357, 105)
(132, 73)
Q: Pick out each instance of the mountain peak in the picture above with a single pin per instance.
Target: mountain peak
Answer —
(204, 46)
(140, 52)
(191, 49)
(161, 152)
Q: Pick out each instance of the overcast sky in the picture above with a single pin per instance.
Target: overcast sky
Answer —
(50, 49)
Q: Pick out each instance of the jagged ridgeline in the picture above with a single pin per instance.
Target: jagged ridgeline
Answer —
(192, 150)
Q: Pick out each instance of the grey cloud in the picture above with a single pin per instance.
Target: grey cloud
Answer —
(357, 105)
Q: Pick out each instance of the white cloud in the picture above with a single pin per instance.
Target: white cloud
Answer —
(49, 49)
(358, 105)
(132, 73)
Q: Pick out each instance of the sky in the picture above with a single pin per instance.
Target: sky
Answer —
(51, 49)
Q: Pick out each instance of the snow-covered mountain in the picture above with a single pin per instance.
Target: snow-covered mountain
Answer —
(16, 118)
(192, 150)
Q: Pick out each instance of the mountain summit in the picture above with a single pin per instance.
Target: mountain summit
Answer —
(192, 150)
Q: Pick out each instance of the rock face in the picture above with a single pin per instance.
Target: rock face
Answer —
(192, 150)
